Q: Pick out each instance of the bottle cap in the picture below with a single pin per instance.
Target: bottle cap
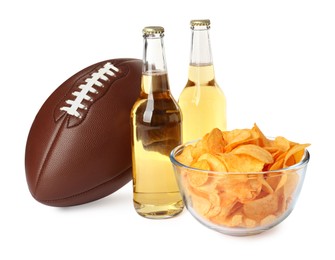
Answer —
(151, 30)
(205, 22)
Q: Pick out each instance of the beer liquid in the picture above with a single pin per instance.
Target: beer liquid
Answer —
(202, 103)
(157, 130)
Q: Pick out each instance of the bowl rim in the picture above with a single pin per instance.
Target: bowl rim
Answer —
(303, 163)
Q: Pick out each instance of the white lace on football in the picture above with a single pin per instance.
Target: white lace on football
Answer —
(88, 87)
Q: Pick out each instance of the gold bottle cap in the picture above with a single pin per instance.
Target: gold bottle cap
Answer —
(151, 30)
(205, 22)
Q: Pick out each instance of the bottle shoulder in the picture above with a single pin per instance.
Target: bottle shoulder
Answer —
(158, 104)
(202, 74)
(164, 97)
(201, 94)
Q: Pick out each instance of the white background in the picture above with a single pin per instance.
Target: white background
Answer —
(275, 61)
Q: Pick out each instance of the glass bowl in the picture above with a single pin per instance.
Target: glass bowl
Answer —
(239, 204)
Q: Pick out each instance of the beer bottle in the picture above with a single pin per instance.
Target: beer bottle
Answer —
(156, 129)
(202, 102)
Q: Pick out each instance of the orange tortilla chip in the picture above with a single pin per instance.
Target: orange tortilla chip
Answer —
(236, 137)
(268, 220)
(199, 149)
(281, 143)
(186, 156)
(295, 154)
(198, 178)
(278, 164)
(200, 205)
(249, 223)
(240, 186)
(291, 184)
(214, 162)
(260, 208)
(214, 211)
(215, 141)
(273, 179)
(262, 140)
(254, 151)
(240, 163)
(266, 187)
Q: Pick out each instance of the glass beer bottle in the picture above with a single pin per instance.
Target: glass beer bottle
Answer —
(156, 129)
(202, 102)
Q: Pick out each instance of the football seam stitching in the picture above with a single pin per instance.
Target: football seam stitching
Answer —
(123, 72)
(90, 86)
(118, 77)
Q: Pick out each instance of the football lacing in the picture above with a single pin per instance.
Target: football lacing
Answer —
(89, 87)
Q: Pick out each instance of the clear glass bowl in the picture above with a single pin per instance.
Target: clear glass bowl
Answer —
(239, 204)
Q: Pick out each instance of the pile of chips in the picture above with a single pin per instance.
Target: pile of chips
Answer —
(248, 188)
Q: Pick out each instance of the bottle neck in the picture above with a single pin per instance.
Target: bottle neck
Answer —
(153, 55)
(154, 74)
(201, 70)
(201, 54)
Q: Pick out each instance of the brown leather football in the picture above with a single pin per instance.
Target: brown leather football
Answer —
(78, 149)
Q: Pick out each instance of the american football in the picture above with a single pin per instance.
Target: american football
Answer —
(78, 149)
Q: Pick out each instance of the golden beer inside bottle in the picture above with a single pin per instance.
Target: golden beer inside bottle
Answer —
(202, 102)
(157, 130)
